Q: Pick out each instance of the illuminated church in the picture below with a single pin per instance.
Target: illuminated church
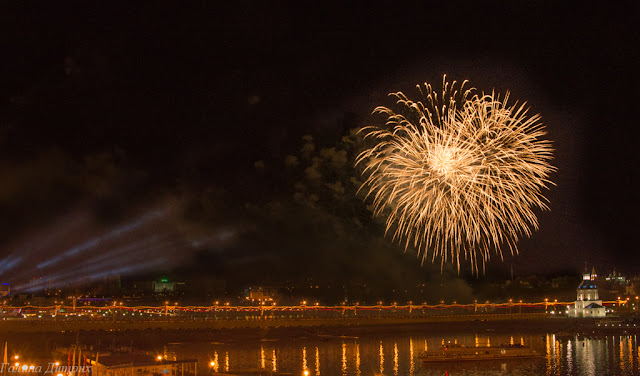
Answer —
(588, 303)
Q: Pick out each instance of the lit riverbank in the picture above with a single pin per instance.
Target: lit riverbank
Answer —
(35, 325)
(42, 338)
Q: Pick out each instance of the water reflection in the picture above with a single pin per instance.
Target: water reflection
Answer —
(381, 359)
(569, 357)
(395, 358)
(215, 362)
(273, 361)
(622, 358)
(561, 356)
(304, 359)
(357, 359)
(630, 347)
(584, 358)
(411, 356)
(344, 358)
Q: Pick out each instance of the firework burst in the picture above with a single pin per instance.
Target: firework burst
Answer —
(458, 175)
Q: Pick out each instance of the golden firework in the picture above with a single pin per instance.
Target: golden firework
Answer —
(457, 175)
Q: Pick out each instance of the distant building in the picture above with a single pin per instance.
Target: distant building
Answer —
(616, 278)
(5, 289)
(588, 302)
(163, 285)
(261, 294)
(138, 288)
(140, 365)
(630, 289)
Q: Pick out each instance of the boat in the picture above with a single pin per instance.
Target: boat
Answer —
(469, 353)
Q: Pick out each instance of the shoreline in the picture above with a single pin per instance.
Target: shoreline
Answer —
(330, 327)
(26, 326)
(43, 341)
(451, 323)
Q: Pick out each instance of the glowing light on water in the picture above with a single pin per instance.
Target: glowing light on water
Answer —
(215, 361)
(317, 361)
(395, 358)
(589, 356)
(262, 359)
(569, 357)
(630, 349)
(344, 358)
(411, 363)
(226, 361)
(621, 345)
(357, 359)
(274, 361)
(457, 176)
(556, 348)
(304, 359)
(381, 359)
(548, 353)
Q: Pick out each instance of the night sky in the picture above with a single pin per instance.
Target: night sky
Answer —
(146, 139)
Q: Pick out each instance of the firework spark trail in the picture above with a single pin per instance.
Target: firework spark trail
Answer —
(458, 175)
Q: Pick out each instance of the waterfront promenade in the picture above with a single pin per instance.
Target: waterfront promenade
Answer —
(35, 325)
